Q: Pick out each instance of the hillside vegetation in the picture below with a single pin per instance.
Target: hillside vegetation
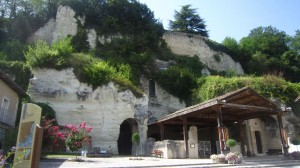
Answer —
(124, 60)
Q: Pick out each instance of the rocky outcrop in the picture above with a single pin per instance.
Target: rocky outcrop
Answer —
(194, 45)
(104, 108)
(63, 25)
(66, 24)
(161, 103)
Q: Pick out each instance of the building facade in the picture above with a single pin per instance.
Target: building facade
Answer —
(10, 93)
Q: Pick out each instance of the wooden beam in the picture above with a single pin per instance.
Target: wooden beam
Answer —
(283, 135)
(188, 110)
(248, 107)
(200, 123)
(241, 126)
(215, 116)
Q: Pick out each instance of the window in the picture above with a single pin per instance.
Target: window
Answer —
(4, 109)
(151, 88)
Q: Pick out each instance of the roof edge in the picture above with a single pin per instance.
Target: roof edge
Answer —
(12, 84)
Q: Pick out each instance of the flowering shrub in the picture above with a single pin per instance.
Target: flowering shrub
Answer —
(76, 136)
(220, 158)
(230, 157)
(234, 157)
(51, 131)
(73, 136)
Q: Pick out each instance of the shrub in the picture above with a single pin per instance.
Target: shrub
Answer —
(135, 138)
(177, 81)
(42, 55)
(76, 136)
(231, 143)
(268, 86)
(99, 73)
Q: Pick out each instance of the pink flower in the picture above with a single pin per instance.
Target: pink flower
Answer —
(89, 129)
(55, 128)
(82, 125)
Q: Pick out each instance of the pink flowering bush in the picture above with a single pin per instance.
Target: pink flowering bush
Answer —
(73, 136)
(51, 132)
(76, 136)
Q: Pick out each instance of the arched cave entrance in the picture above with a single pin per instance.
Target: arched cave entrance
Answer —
(127, 127)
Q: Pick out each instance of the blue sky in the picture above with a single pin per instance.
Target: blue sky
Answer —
(234, 18)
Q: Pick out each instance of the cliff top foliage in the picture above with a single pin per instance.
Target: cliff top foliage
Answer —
(269, 86)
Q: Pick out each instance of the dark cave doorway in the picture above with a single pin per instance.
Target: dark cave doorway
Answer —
(124, 141)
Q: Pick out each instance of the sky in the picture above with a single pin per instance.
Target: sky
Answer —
(233, 18)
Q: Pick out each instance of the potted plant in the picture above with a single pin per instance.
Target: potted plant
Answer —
(231, 143)
(220, 158)
(233, 157)
(135, 138)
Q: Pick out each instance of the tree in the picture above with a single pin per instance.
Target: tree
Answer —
(233, 48)
(295, 42)
(265, 46)
(188, 21)
(268, 40)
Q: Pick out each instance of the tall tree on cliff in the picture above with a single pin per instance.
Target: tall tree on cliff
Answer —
(187, 20)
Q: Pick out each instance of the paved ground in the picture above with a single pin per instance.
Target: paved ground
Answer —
(267, 161)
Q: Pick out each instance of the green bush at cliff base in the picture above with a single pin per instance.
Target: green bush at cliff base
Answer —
(268, 86)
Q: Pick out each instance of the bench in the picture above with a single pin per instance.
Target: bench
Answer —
(157, 153)
(99, 153)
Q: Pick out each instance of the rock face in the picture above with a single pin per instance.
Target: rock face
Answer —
(194, 45)
(63, 25)
(104, 108)
(66, 24)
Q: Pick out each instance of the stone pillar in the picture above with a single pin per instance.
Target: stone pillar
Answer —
(185, 136)
(141, 116)
(143, 128)
(193, 143)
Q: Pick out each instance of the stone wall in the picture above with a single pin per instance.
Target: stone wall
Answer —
(194, 45)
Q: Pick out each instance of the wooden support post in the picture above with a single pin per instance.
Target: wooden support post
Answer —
(283, 135)
(162, 131)
(241, 127)
(222, 134)
(185, 136)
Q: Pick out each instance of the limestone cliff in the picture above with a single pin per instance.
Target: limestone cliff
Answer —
(194, 45)
(66, 24)
(104, 108)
